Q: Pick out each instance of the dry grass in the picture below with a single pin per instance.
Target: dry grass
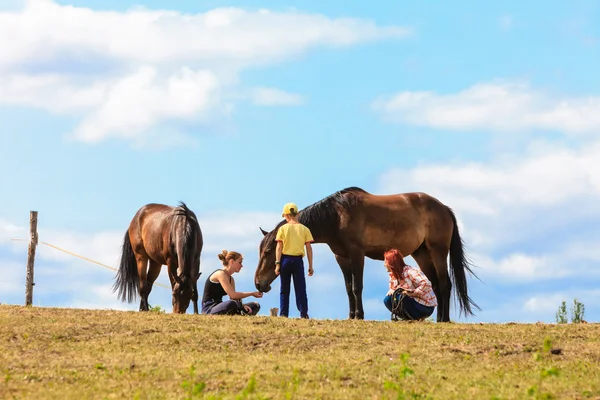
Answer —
(78, 354)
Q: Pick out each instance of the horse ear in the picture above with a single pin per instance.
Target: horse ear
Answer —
(264, 232)
(197, 276)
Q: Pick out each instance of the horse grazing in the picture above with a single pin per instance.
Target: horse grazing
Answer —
(161, 235)
(355, 224)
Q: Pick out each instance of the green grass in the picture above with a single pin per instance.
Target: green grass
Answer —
(84, 354)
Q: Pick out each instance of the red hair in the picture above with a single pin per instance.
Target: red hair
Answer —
(395, 260)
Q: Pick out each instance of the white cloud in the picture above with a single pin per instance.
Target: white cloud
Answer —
(506, 22)
(45, 31)
(10, 231)
(546, 177)
(124, 73)
(104, 298)
(12, 280)
(501, 107)
(548, 303)
(139, 101)
(52, 92)
(524, 267)
(103, 247)
(238, 231)
(124, 107)
(276, 97)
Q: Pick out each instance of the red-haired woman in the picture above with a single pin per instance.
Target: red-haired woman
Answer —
(419, 301)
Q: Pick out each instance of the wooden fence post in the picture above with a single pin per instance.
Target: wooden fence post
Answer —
(33, 240)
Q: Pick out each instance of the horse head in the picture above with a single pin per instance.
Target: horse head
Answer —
(183, 290)
(265, 271)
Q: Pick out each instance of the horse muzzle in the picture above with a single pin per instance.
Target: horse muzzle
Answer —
(263, 287)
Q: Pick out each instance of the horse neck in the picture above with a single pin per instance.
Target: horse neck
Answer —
(318, 233)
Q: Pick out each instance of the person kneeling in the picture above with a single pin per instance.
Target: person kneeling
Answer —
(221, 283)
(411, 296)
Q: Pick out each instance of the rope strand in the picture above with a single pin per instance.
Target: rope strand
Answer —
(84, 258)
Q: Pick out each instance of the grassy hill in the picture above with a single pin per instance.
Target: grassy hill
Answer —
(76, 354)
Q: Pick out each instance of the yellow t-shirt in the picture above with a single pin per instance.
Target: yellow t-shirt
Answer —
(294, 237)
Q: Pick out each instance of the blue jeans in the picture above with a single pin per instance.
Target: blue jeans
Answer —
(228, 307)
(412, 308)
(292, 267)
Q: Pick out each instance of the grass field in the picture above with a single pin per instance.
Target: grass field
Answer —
(84, 354)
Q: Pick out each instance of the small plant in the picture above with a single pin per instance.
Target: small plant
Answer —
(250, 388)
(545, 372)
(577, 312)
(561, 314)
(404, 372)
(294, 383)
(192, 388)
(156, 309)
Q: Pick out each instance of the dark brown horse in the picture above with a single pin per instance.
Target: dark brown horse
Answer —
(161, 235)
(355, 224)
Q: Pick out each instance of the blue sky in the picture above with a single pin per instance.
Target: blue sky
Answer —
(239, 107)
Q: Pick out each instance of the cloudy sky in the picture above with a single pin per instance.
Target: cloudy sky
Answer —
(239, 107)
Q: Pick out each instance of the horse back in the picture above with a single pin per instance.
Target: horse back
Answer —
(150, 230)
(403, 221)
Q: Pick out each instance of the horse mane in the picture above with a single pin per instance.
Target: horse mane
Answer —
(323, 216)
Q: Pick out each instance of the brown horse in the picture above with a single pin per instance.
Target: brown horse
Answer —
(355, 224)
(161, 235)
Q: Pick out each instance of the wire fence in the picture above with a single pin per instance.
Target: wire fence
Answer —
(45, 290)
(83, 258)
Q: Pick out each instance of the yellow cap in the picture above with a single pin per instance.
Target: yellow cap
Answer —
(289, 208)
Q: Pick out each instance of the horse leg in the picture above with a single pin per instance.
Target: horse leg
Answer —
(344, 264)
(358, 267)
(423, 259)
(153, 272)
(439, 256)
(172, 266)
(195, 296)
(142, 264)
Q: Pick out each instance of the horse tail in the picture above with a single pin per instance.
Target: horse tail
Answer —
(184, 242)
(459, 263)
(127, 279)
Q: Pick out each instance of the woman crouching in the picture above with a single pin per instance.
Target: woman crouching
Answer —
(415, 300)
